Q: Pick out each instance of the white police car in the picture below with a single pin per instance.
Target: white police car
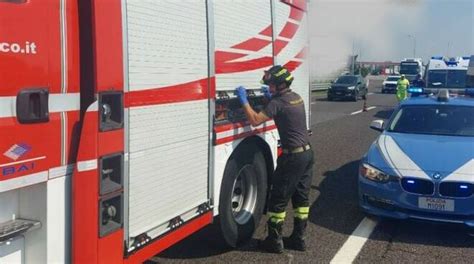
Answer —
(422, 165)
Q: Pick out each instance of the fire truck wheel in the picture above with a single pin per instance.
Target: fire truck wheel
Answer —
(243, 194)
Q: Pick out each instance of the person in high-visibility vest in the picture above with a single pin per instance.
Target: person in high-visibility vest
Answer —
(402, 87)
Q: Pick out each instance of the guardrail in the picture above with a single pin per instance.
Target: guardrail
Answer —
(320, 86)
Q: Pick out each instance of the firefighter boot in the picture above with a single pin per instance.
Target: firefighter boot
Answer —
(273, 243)
(296, 240)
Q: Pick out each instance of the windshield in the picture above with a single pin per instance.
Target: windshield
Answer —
(346, 80)
(448, 120)
(409, 68)
(447, 78)
(393, 79)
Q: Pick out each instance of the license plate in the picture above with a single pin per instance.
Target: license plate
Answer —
(436, 204)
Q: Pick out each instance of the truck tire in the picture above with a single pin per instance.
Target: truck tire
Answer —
(243, 195)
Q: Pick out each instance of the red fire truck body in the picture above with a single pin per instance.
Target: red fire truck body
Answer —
(120, 133)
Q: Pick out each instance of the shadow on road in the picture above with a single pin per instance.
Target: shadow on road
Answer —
(204, 243)
(336, 208)
(384, 114)
(424, 233)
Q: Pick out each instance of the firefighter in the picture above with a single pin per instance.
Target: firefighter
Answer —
(402, 87)
(292, 177)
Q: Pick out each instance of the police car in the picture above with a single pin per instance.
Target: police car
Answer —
(422, 164)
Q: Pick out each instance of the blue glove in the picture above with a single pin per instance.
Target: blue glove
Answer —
(266, 92)
(241, 92)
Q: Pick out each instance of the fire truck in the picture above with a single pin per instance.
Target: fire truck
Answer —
(411, 67)
(120, 133)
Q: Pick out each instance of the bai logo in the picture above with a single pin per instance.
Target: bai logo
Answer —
(15, 152)
(17, 48)
(15, 169)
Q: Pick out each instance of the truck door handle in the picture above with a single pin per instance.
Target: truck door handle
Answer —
(32, 106)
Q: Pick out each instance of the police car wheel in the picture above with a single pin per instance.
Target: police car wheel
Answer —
(243, 195)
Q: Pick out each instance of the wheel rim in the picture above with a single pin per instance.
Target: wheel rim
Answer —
(244, 195)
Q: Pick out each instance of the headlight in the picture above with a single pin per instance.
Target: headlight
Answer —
(351, 87)
(372, 173)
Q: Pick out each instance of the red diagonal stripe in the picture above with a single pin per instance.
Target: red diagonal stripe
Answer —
(245, 134)
(196, 90)
(224, 56)
(279, 45)
(292, 65)
(267, 32)
(302, 54)
(289, 30)
(253, 44)
(255, 64)
(296, 14)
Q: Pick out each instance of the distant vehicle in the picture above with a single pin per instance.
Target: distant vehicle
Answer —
(411, 67)
(422, 165)
(447, 73)
(470, 73)
(348, 86)
(390, 84)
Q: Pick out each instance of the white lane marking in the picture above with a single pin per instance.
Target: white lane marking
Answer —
(360, 111)
(356, 112)
(313, 103)
(21, 161)
(370, 93)
(351, 248)
(371, 107)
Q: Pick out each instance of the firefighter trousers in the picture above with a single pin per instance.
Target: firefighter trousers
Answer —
(291, 180)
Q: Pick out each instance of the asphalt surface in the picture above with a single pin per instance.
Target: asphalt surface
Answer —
(341, 135)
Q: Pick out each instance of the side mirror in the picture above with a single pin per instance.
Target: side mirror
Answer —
(332, 81)
(377, 125)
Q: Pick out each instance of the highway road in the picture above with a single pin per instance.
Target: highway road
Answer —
(338, 231)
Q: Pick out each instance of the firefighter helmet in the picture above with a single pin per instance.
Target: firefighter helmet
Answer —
(277, 75)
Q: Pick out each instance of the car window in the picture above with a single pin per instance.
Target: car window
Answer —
(434, 120)
(346, 80)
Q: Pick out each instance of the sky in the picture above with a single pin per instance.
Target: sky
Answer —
(387, 30)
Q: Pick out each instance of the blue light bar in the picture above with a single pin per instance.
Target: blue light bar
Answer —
(437, 57)
(466, 57)
(415, 90)
(469, 92)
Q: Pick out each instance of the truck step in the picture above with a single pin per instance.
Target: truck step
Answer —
(17, 227)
